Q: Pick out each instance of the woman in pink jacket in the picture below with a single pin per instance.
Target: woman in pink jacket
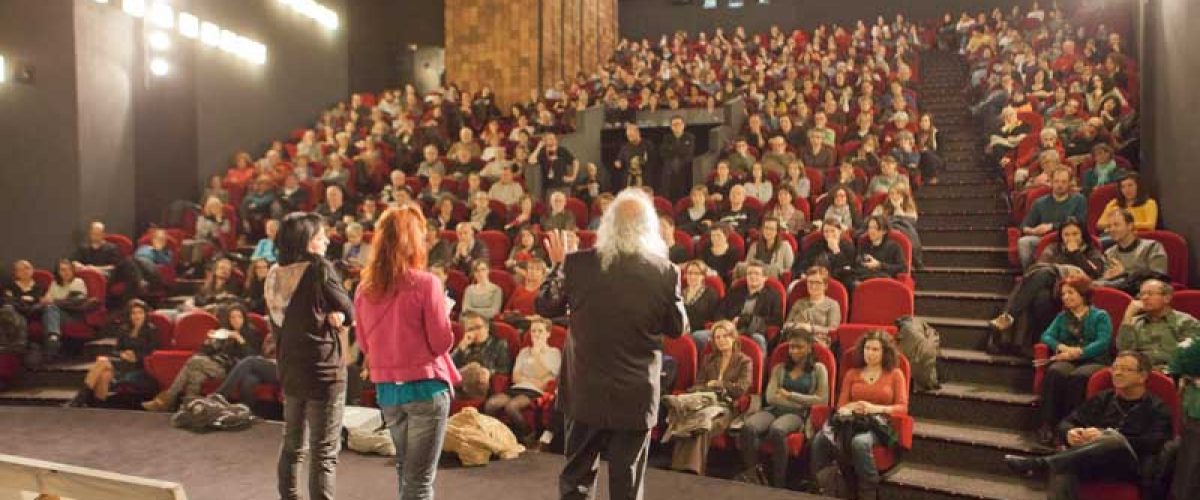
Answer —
(404, 329)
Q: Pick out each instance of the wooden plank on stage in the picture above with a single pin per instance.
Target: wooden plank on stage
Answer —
(19, 475)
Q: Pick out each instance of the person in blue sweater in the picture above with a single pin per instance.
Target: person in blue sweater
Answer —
(1049, 212)
(1079, 338)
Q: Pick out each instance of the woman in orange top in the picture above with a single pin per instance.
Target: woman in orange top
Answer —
(877, 386)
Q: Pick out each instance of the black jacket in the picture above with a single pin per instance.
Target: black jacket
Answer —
(678, 149)
(612, 361)
(889, 255)
(1145, 424)
(766, 307)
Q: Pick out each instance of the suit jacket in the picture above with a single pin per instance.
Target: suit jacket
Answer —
(612, 361)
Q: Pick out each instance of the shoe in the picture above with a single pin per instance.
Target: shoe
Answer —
(159, 403)
(1026, 466)
(80, 400)
(1002, 322)
(1045, 436)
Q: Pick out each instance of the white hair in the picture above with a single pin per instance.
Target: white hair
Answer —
(631, 231)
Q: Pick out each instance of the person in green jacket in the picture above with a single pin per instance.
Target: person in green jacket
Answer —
(1151, 326)
(1079, 338)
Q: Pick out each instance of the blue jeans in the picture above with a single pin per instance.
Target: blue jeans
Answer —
(418, 429)
(52, 319)
(312, 427)
(1026, 246)
(245, 375)
(824, 453)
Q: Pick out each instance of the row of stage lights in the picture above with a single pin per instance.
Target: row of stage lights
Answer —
(162, 17)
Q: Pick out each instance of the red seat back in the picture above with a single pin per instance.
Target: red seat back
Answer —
(500, 329)
(191, 329)
(1114, 302)
(504, 280)
(123, 243)
(879, 301)
(683, 349)
(1177, 252)
(1157, 384)
(1100, 197)
(1187, 301)
(578, 208)
(498, 246)
(166, 329)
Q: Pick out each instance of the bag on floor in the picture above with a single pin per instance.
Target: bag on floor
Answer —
(12, 330)
(921, 344)
(476, 437)
(365, 432)
(212, 413)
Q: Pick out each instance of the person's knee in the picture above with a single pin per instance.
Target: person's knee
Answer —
(778, 432)
(862, 444)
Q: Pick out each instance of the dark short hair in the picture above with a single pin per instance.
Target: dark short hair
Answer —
(1143, 361)
(295, 231)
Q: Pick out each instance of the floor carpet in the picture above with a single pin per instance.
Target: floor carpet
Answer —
(241, 465)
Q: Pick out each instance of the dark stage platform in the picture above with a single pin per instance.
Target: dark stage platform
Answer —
(241, 465)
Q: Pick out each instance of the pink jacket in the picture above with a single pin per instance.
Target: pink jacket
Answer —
(406, 335)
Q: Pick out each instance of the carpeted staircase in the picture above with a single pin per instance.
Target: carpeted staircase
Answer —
(985, 409)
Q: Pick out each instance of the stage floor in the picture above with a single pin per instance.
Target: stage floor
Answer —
(241, 465)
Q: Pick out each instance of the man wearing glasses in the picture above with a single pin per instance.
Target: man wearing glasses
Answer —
(1152, 327)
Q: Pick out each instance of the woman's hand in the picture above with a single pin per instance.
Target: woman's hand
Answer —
(128, 355)
(335, 319)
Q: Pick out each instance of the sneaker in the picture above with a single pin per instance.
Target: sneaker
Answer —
(1002, 322)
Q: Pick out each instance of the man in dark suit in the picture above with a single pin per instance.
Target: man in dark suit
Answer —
(623, 295)
(675, 155)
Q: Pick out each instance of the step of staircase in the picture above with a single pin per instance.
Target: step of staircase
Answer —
(938, 254)
(973, 217)
(911, 481)
(965, 175)
(967, 447)
(960, 333)
(957, 236)
(976, 404)
(39, 395)
(979, 367)
(965, 304)
(969, 201)
(962, 188)
(965, 279)
(63, 373)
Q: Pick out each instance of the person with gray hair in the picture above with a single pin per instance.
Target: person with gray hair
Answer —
(623, 296)
(1151, 326)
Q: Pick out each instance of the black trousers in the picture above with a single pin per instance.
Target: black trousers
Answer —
(1108, 458)
(1064, 388)
(626, 451)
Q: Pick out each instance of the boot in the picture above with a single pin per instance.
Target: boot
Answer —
(868, 490)
(1109, 449)
(1025, 466)
(830, 482)
(81, 399)
(161, 402)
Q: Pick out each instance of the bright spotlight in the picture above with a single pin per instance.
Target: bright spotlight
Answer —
(189, 25)
(135, 8)
(3, 70)
(210, 34)
(162, 15)
(159, 41)
(229, 42)
(159, 67)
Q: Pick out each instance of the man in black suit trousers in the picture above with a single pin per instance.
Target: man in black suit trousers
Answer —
(622, 295)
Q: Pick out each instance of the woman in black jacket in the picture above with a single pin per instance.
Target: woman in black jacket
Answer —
(309, 309)
(831, 252)
(1035, 298)
(699, 301)
(120, 379)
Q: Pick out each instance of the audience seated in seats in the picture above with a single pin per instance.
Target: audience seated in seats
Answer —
(877, 387)
(1048, 213)
(817, 153)
(696, 218)
(700, 302)
(844, 177)
(444, 217)
(242, 170)
(265, 248)
(769, 249)
(506, 190)
(397, 182)
(591, 184)
(336, 173)
(482, 297)
(1150, 326)
(479, 356)
(120, 379)
(1132, 196)
(900, 211)
(1080, 336)
(497, 163)
(432, 162)
(536, 366)
(355, 250)
(97, 252)
(211, 229)
(1131, 260)
(215, 187)
(718, 254)
(816, 314)
(559, 217)
(237, 339)
(525, 217)
(292, 197)
(842, 209)
(794, 387)
(753, 308)
(219, 288)
(462, 163)
(481, 215)
(461, 253)
(434, 189)
(256, 207)
(1116, 435)
(368, 213)
(28, 298)
(724, 376)
(777, 158)
(1006, 139)
(336, 210)
(438, 270)
(519, 310)
(795, 178)
(757, 185)
(832, 251)
(253, 294)
(738, 215)
(721, 183)
(889, 176)
(66, 300)
(525, 248)
(149, 257)
(792, 220)
(741, 158)
(1105, 171)
(1034, 303)
(677, 253)
(880, 257)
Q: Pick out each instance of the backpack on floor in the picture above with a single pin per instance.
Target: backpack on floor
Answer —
(12, 330)
(921, 344)
(212, 413)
